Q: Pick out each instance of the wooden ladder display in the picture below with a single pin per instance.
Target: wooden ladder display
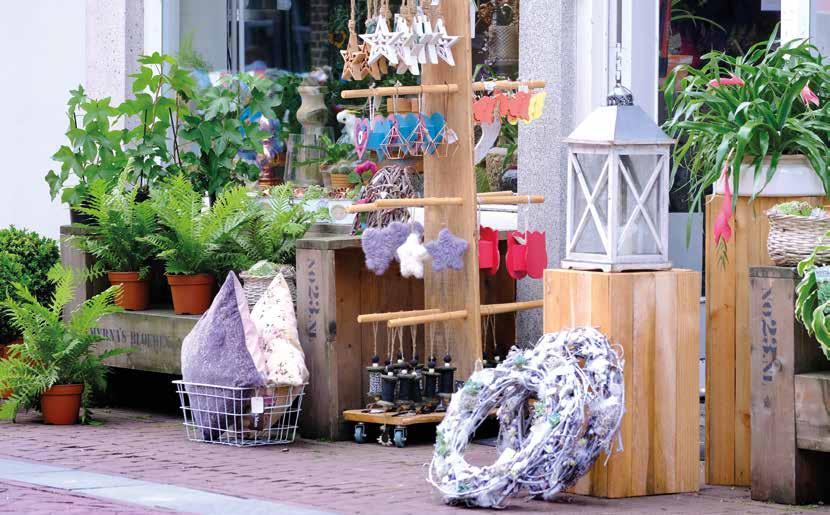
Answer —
(450, 199)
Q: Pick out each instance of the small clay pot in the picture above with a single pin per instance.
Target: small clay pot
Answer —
(192, 294)
(135, 292)
(340, 181)
(61, 403)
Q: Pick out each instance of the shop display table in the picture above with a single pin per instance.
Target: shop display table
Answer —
(654, 318)
(790, 396)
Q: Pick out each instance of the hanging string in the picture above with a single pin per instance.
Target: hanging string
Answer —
(413, 333)
(431, 341)
(375, 333)
(390, 343)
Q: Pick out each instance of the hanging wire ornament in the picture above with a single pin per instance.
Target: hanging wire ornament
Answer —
(576, 378)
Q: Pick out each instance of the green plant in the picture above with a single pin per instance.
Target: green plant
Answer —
(680, 11)
(11, 271)
(117, 235)
(54, 351)
(811, 310)
(757, 105)
(509, 139)
(196, 238)
(272, 233)
(35, 253)
(331, 152)
(95, 149)
(287, 86)
(794, 208)
(223, 124)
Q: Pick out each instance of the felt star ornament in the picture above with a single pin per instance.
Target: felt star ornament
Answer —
(447, 251)
(412, 255)
(444, 43)
(382, 43)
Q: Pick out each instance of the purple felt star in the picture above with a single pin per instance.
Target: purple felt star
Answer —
(447, 251)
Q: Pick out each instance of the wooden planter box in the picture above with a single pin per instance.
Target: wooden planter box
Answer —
(790, 396)
(728, 428)
(655, 318)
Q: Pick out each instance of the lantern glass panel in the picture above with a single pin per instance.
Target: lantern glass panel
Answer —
(638, 211)
(592, 168)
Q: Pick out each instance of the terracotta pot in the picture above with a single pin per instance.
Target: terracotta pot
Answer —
(60, 404)
(135, 292)
(192, 294)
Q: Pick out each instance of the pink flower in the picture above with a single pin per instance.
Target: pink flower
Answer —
(732, 80)
(722, 230)
(366, 166)
(808, 97)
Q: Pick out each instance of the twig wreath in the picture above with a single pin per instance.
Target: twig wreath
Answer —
(543, 448)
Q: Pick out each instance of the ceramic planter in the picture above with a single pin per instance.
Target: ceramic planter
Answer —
(60, 404)
(192, 294)
(794, 177)
(135, 292)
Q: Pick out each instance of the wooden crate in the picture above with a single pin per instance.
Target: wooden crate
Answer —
(728, 428)
(655, 318)
(790, 400)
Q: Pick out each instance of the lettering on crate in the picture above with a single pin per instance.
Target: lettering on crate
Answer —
(769, 333)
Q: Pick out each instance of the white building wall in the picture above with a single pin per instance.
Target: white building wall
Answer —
(44, 57)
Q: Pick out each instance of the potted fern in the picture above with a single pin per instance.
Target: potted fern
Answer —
(57, 367)
(336, 161)
(268, 239)
(193, 244)
(117, 238)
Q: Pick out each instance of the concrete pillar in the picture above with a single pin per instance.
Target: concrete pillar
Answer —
(547, 51)
(114, 40)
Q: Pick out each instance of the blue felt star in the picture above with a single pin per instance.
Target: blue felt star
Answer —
(447, 251)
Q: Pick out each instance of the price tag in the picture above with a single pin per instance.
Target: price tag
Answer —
(257, 405)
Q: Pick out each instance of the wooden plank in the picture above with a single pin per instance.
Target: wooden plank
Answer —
(746, 251)
(452, 176)
(720, 349)
(665, 385)
(357, 415)
(316, 312)
(614, 314)
(688, 381)
(347, 351)
(644, 312)
(812, 411)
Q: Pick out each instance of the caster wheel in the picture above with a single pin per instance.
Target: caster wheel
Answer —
(400, 438)
(360, 433)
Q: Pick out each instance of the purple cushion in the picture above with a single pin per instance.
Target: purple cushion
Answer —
(216, 352)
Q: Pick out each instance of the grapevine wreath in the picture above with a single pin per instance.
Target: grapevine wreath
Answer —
(576, 379)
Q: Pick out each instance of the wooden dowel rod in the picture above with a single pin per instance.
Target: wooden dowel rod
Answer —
(361, 208)
(385, 317)
(428, 319)
(505, 193)
(508, 84)
(517, 199)
(510, 307)
(416, 202)
(401, 90)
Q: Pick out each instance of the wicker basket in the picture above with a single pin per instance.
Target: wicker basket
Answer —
(256, 285)
(793, 238)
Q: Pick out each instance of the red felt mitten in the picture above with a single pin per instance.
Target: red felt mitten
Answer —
(516, 259)
(488, 249)
(537, 254)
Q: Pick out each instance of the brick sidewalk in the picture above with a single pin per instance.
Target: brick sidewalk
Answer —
(342, 477)
(22, 498)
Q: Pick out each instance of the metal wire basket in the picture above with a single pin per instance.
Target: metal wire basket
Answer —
(240, 416)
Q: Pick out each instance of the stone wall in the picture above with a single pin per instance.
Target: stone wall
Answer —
(319, 48)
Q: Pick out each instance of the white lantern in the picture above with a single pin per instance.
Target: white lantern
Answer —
(618, 190)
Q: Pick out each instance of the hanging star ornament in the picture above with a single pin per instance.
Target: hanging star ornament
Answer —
(382, 43)
(354, 57)
(412, 255)
(444, 43)
(424, 46)
(447, 251)
(404, 46)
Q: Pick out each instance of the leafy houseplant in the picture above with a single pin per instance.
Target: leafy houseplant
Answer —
(26, 257)
(812, 302)
(224, 123)
(57, 367)
(758, 107)
(336, 159)
(117, 238)
(195, 243)
(270, 235)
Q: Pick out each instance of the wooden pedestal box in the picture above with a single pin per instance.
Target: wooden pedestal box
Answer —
(728, 426)
(790, 396)
(654, 317)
